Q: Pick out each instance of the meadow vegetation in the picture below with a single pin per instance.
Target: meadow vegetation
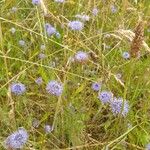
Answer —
(74, 74)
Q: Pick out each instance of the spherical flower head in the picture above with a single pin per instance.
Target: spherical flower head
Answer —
(113, 8)
(22, 43)
(39, 80)
(58, 35)
(126, 55)
(17, 139)
(50, 30)
(18, 88)
(54, 88)
(105, 96)
(95, 11)
(42, 56)
(48, 128)
(96, 86)
(147, 147)
(83, 17)
(36, 2)
(119, 106)
(13, 30)
(60, 1)
(81, 56)
(75, 25)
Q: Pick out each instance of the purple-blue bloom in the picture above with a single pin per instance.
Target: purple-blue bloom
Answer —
(147, 147)
(36, 2)
(48, 128)
(119, 106)
(58, 35)
(113, 9)
(105, 96)
(50, 30)
(126, 55)
(39, 80)
(54, 88)
(59, 1)
(96, 86)
(18, 88)
(95, 11)
(17, 139)
(81, 56)
(22, 43)
(76, 25)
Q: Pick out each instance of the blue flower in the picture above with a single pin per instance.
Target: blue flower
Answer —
(17, 139)
(147, 147)
(58, 35)
(119, 106)
(81, 56)
(36, 2)
(76, 25)
(22, 43)
(113, 8)
(105, 96)
(96, 86)
(95, 11)
(126, 55)
(50, 30)
(39, 80)
(54, 88)
(18, 88)
(48, 129)
(59, 1)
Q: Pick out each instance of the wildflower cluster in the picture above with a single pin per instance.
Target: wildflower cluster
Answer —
(117, 105)
(17, 139)
(66, 53)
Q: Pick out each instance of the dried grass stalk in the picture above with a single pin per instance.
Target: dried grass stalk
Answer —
(137, 41)
(130, 36)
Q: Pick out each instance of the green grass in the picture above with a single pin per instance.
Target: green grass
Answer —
(80, 120)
